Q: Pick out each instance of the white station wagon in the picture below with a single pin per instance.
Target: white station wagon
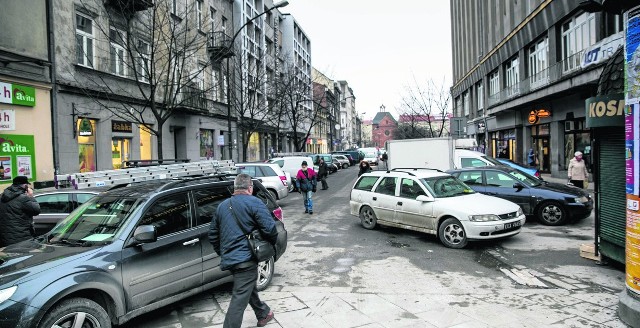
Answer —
(433, 202)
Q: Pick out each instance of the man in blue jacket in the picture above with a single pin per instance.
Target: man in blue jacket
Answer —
(232, 245)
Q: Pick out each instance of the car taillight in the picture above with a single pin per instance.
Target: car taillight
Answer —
(283, 178)
(278, 213)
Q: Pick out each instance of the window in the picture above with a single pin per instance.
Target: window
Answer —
(471, 178)
(539, 63)
(499, 179)
(54, 203)
(410, 189)
(207, 201)
(174, 7)
(466, 103)
(212, 17)
(494, 83)
(199, 14)
(457, 109)
(168, 214)
(512, 77)
(480, 96)
(117, 57)
(142, 66)
(577, 34)
(366, 183)
(387, 186)
(253, 171)
(215, 85)
(83, 198)
(471, 162)
(84, 41)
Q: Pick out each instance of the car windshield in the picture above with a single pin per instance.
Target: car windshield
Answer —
(446, 186)
(97, 221)
(492, 160)
(525, 178)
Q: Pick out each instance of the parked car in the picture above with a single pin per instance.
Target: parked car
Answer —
(356, 156)
(552, 203)
(56, 205)
(123, 253)
(291, 165)
(343, 160)
(335, 165)
(271, 175)
(433, 202)
(526, 169)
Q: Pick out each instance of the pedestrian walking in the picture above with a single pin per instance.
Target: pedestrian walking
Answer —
(323, 172)
(232, 245)
(577, 171)
(531, 157)
(306, 183)
(364, 167)
(17, 208)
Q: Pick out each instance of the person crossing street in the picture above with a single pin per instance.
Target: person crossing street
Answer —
(323, 172)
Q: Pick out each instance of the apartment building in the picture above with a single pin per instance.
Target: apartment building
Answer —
(25, 93)
(349, 136)
(522, 71)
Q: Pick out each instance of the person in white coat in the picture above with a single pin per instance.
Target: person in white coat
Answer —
(578, 174)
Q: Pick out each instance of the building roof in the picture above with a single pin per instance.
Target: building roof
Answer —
(381, 115)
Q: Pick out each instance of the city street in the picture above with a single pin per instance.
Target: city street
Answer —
(337, 274)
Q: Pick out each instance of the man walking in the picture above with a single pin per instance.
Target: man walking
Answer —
(306, 183)
(232, 245)
(17, 208)
(323, 172)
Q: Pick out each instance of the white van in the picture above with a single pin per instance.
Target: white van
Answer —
(291, 165)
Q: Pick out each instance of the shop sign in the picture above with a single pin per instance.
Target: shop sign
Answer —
(602, 50)
(220, 140)
(18, 157)
(85, 129)
(536, 114)
(7, 119)
(480, 127)
(120, 126)
(16, 94)
(605, 111)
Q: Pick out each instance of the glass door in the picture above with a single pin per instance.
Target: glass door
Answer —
(120, 151)
(543, 158)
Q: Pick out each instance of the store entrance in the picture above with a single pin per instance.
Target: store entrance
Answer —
(542, 151)
(120, 151)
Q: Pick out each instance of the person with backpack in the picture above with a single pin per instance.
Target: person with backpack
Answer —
(306, 183)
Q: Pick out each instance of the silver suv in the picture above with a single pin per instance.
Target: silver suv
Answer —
(272, 176)
(344, 160)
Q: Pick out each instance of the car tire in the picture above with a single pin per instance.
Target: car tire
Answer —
(345, 166)
(368, 218)
(552, 214)
(273, 194)
(292, 186)
(66, 312)
(265, 274)
(452, 234)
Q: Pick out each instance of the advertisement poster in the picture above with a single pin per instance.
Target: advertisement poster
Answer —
(206, 144)
(632, 148)
(18, 156)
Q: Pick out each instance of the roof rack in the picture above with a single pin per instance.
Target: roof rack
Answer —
(415, 169)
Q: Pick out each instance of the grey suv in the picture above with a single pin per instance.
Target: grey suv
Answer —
(123, 253)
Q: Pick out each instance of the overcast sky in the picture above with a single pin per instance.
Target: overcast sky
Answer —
(378, 47)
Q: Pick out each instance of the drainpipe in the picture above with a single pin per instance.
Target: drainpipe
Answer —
(54, 84)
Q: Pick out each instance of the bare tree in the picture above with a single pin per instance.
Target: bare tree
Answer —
(424, 110)
(157, 63)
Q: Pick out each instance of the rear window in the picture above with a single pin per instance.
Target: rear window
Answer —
(268, 171)
(471, 162)
(365, 183)
(253, 171)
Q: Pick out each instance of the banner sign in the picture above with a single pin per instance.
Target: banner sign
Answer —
(119, 126)
(16, 94)
(605, 111)
(7, 119)
(602, 50)
(18, 157)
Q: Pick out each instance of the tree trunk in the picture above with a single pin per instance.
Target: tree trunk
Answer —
(159, 141)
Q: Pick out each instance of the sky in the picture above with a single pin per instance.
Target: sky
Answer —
(378, 47)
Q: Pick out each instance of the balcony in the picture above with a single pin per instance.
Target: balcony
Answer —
(219, 46)
(129, 5)
(194, 100)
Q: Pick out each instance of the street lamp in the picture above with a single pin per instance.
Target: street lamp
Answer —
(231, 45)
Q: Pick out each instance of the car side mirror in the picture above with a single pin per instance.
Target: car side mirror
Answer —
(423, 198)
(518, 186)
(145, 234)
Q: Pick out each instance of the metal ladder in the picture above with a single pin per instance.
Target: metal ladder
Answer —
(130, 175)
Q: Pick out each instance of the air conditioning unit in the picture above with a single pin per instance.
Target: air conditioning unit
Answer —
(569, 125)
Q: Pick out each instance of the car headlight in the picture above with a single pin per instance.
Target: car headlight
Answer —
(520, 212)
(7, 292)
(582, 199)
(484, 218)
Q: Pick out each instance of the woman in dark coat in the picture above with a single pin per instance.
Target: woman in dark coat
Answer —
(364, 167)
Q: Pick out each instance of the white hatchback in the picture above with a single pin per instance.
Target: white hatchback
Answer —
(433, 202)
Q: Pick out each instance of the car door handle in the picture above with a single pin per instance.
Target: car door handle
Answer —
(400, 203)
(375, 198)
(191, 242)
(492, 193)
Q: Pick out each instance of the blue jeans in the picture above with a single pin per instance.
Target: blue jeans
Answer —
(244, 292)
(308, 202)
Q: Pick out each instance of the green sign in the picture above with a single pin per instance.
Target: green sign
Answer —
(17, 157)
(605, 111)
(17, 94)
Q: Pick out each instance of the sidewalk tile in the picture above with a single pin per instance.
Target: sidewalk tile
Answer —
(592, 312)
(491, 314)
(300, 318)
(370, 303)
(602, 299)
(443, 318)
(414, 303)
(346, 319)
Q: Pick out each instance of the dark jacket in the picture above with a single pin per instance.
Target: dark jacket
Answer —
(306, 182)
(323, 170)
(16, 215)
(364, 169)
(227, 238)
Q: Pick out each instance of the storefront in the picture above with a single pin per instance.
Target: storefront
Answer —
(25, 132)
(503, 144)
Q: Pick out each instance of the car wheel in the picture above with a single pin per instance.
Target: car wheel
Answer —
(273, 194)
(76, 312)
(552, 214)
(452, 234)
(368, 218)
(265, 274)
(292, 186)
(345, 166)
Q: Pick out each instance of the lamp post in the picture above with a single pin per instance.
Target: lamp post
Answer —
(232, 45)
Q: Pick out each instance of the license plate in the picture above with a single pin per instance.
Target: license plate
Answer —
(512, 225)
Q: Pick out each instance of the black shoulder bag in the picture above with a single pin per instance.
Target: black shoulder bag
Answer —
(262, 250)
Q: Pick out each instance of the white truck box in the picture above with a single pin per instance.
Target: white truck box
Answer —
(433, 153)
